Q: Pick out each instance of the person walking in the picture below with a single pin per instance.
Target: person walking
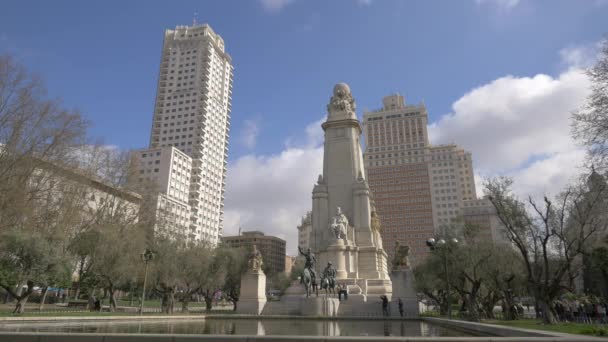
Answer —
(400, 303)
(384, 305)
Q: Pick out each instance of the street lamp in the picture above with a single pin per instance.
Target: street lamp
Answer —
(146, 256)
(440, 244)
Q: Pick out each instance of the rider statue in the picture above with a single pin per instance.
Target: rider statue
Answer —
(329, 273)
(310, 262)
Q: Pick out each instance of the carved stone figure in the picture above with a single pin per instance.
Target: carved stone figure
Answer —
(401, 259)
(255, 260)
(339, 225)
(375, 221)
(342, 100)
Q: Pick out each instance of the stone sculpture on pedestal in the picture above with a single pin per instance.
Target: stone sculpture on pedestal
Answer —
(347, 238)
(404, 293)
(253, 285)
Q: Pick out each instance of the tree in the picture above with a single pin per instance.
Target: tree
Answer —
(35, 132)
(590, 123)
(114, 238)
(549, 236)
(235, 263)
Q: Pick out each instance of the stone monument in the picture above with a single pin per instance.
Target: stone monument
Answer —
(345, 232)
(403, 281)
(342, 228)
(253, 285)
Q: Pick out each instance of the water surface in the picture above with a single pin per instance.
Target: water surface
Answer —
(220, 326)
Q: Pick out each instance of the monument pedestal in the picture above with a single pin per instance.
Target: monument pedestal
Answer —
(403, 287)
(253, 293)
(336, 253)
(319, 306)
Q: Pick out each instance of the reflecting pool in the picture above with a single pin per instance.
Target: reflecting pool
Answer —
(222, 326)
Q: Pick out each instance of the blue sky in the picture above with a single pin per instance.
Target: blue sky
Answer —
(499, 77)
(102, 57)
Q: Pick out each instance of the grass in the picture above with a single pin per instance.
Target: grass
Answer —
(568, 328)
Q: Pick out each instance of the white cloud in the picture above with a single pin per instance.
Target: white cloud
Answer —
(249, 134)
(503, 4)
(580, 56)
(274, 6)
(520, 127)
(271, 193)
(512, 121)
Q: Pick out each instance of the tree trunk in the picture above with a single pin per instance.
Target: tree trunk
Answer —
(185, 303)
(547, 314)
(43, 298)
(112, 293)
(21, 298)
(168, 300)
(20, 306)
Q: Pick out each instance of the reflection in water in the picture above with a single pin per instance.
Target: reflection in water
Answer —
(250, 327)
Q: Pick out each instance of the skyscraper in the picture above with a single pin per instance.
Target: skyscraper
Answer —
(418, 188)
(192, 114)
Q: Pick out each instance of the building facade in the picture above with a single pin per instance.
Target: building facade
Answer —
(481, 213)
(271, 247)
(304, 231)
(192, 115)
(170, 169)
(418, 188)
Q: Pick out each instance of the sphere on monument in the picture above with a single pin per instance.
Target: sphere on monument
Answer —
(341, 89)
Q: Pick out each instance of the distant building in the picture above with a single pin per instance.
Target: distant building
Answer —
(98, 193)
(418, 188)
(481, 212)
(271, 247)
(192, 114)
(170, 169)
(304, 230)
(290, 261)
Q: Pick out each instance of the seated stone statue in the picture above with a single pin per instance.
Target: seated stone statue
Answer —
(255, 260)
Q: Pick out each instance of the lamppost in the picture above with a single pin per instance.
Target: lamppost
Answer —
(444, 246)
(146, 256)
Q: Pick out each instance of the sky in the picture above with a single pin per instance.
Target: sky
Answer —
(498, 77)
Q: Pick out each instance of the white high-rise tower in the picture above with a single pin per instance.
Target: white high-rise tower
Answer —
(192, 114)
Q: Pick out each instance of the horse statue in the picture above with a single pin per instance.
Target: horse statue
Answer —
(329, 285)
(310, 285)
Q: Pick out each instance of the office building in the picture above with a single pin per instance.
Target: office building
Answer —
(192, 115)
(271, 247)
(418, 188)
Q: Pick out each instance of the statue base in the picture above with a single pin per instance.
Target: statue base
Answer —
(253, 293)
(403, 287)
(319, 306)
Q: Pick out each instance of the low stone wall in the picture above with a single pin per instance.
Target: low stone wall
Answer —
(508, 332)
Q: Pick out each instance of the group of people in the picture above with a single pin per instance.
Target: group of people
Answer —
(94, 304)
(386, 309)
(576, 311)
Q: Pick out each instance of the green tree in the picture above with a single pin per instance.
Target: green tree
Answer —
(590, 123)
(235, 264)
(549, 236)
